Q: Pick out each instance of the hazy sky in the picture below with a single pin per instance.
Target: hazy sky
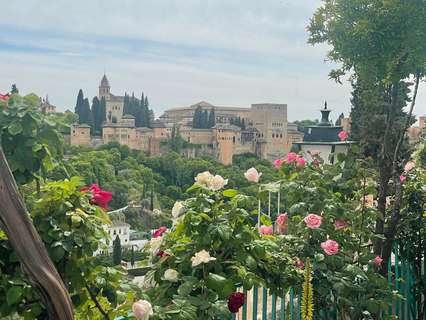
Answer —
(226, 52)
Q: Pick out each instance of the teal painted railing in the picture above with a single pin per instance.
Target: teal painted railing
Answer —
(260, 305)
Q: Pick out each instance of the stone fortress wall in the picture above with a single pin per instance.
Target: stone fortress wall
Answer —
(267, 132)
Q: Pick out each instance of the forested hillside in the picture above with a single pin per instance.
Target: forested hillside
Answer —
(151, 183)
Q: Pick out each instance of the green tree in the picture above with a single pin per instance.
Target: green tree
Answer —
(86, 114)
(116, 251)
(97, 115)
(103, 109)
(147, 113)
(79, 105)
(382, 43)
(212, 119)
(126, 104)
(197, 118)
(32, 100)
(302, 124)
(205, 119)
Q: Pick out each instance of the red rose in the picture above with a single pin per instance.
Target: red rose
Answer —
(161, 254)
(99, 197)
(159, 232)
(235, 301)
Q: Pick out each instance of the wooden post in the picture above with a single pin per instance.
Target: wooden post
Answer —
(27, 244)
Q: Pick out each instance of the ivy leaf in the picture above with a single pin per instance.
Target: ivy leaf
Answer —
(13, 295)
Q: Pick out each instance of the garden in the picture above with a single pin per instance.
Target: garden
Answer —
(297, 240)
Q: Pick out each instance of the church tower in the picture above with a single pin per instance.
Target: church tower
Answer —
(104, 88)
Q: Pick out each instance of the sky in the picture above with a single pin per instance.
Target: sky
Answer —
(226, 52)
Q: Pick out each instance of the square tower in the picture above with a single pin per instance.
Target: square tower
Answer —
(270, 119)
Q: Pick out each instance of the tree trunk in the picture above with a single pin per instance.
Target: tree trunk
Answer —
(26, 242)
(396, 212)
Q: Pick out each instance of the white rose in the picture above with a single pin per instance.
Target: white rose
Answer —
(171, 275)
(142, 309)
(217, 183)
(155, 244)
(201, 257)
(203, 179)
(177, 209)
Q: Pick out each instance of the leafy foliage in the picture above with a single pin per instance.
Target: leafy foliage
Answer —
(29, 140)
(224, 225)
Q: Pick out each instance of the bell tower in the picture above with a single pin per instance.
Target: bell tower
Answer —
(104, 88)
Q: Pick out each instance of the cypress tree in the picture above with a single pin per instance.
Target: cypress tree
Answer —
(196, 119)
(103, 110)
(97, 115)
(204, 119)
(126, 105)
(212, 119)
(133, 105)
(140, 112)
(116, 251)
(86, 114)
(149, 115)
(79, 105)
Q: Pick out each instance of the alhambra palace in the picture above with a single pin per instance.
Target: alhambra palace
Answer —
(266, 132)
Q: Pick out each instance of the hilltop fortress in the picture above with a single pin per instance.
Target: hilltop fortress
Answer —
(262, 129)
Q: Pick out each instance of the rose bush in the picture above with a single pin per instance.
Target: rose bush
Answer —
(329, 224)
(214, 248)
(218, 244)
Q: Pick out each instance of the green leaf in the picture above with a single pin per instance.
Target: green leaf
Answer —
(223, 286)
(14, 128)
(265, 220)
(13, 295)
(230, 193)
(57, 253)
(185, 288)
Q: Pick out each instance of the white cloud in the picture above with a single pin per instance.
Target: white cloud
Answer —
(229, 52)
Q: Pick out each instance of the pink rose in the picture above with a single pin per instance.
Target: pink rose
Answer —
(298, 263)
(402, 178)
(266, 230)
(301, 161)
(282, 219)
(378, 261)
(340, 224)
(330, 247)
(343, 135)
(278, 163)
(291, 157)
(252, 175)
(409, 166)
(313, 221)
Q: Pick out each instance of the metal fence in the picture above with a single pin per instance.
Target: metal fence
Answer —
(260, 305)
